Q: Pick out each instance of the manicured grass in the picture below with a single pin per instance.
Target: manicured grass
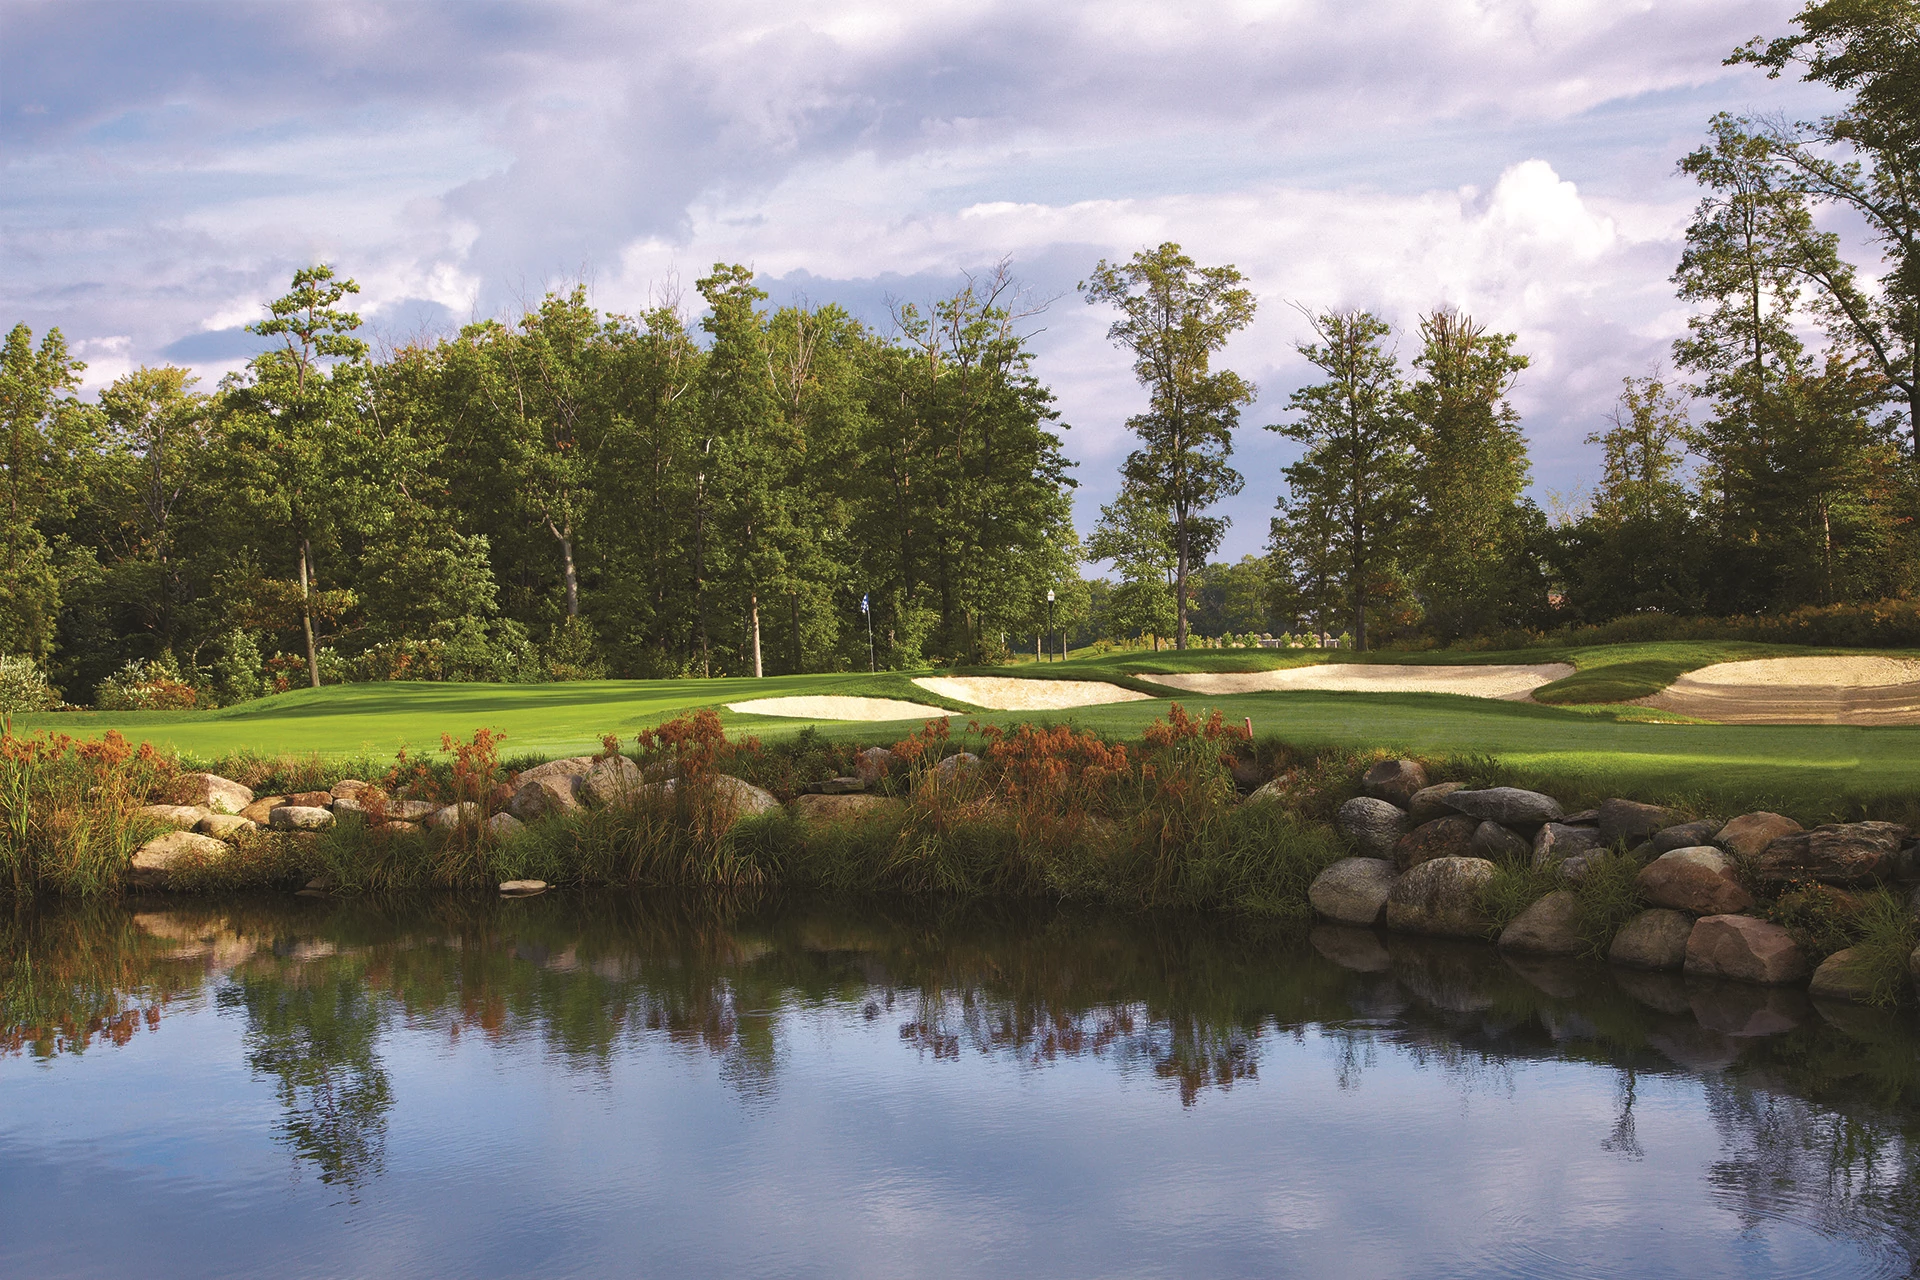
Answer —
(1812, 771)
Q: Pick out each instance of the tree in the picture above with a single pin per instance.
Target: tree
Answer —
(1470, 469)
(296, 452)
(1356, 481)
(48, 435)
(1137, 535)
(1174, 316)
(1865, 159)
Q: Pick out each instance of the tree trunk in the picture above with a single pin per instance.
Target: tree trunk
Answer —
(1360, 628)
(700, 572)
(573, 580)
(753, 613)
(799, 655)
(1180, 587)
(306, 614)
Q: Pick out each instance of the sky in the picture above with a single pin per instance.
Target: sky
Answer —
(166, 166)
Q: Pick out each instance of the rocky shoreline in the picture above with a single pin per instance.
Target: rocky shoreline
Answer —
(1429, 853)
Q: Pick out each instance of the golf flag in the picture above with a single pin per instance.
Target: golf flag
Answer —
(863, 605)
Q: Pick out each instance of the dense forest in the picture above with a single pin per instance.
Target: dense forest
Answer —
(728, 488)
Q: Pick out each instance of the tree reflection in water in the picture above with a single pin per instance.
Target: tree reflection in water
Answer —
(1816, 1107)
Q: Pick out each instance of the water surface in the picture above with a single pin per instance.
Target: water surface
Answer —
(592, 1086)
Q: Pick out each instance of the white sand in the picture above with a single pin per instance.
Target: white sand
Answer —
(838, 708)
(1012, 693)
(1511, 683)
(1831, 690)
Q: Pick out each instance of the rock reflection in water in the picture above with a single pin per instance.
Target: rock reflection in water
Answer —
(1813, 1104)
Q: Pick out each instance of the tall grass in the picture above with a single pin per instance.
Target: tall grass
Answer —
(67, 820)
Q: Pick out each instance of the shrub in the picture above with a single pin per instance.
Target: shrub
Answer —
(23, 687)
(238, 670)
(67, 822)
(154, 685)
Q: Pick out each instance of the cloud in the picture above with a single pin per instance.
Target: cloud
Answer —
(165, 166)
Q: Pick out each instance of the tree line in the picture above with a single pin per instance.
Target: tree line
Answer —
(570, 493)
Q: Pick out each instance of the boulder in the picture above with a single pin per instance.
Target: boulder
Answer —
(1575, 869)
(411, 810)
(741, 799)
(873, 764)
(468, 813)
(522, 888)
(300, 817)
(950, 765)
(1495, 842)
(1687, 835)
(343, 805)
(614, 780)
(571, 767)
(1442, 897)
(1699, 880)
(1842, 976)
(212, 792)
(1352, 891)
(348, 787)
(1373, 825)
(1550, 927)
(1395, 781)
(1278, 789)
(162, 854)
(1429, 803)
(1441, 838)
(1629, 821)
(544, 797)
(1655, 939)
(310, 799)
(1556, 842)
(1837, 853)
(838, 787)
(826, 810)
(1748, 834)
(262, 808)
(1508, 806)
(1584, 818)
(181, 817)
(504, 827)
(225, 826)
(1744, 949)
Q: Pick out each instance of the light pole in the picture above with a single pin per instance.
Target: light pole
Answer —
(1049, 624)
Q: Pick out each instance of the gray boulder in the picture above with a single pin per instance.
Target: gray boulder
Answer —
(742, 799)
(545, 797)
(1556, 842)
(838, 786)
(1699, 880)
(1372, 824)
(1837, 853)
(212, 792)
(1429, 803)
(343, 805)
(1744, 949)
(1630, 821)
(504, 826)
(1441, 838)
(1495, 842)
(1352, 891)
(300, 817)
(1508, 806)
(348, 787)
(522, 888)
(1748, 834)
(410, 810)
(873, 764)
(225, 826)
(466, 813)
(830, 810)
(1687, 835)
(1550, 927)
(1442, 897)
(160, 855)
(571, 767)
(182, 817)
(612, 781)
(1655, 939)
(1395, 781)
(1842, 976)
(948, 766)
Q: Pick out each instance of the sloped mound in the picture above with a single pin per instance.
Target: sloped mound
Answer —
(1011, 693)
(828, 707)
(1510, 683)
(1850, 689)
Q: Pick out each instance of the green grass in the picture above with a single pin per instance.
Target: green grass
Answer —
(1811, 771)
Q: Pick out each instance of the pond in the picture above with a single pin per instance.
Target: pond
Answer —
(596, 1085)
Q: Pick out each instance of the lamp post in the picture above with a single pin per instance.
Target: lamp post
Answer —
(1049, 624)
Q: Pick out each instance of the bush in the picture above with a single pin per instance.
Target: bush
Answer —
(23, 687)
(154, 685)
(238, 670)
(67, 821)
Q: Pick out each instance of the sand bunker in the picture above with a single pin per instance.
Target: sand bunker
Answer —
(1010, 693)
(1835, 690)
(1512, 683)
(836, 708)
